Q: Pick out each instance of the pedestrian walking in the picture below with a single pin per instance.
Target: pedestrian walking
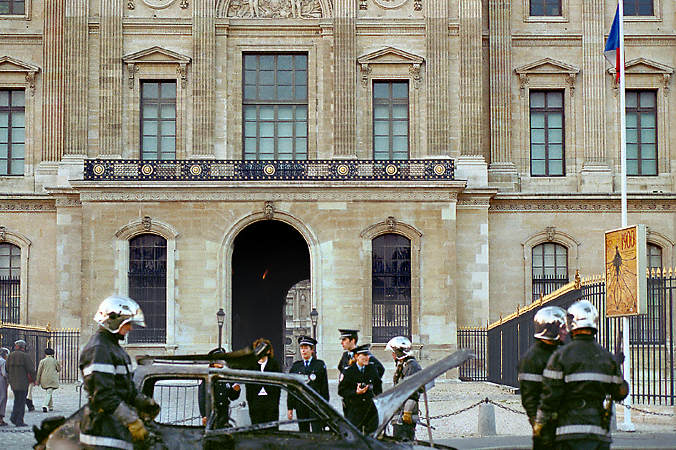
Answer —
(314, 371)
(21, 372)
(547, 323)
(48, 378)
(112, 416)
(403, 425)
(579, 384)
(263, 400)
(359, 384)
(4, 385)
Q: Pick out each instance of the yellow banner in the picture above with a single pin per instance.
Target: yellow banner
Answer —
(625, 271)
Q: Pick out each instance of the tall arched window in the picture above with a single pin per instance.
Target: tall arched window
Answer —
(391, 287)
(148, 286)
(550, 268)
(10, 283)
(649, 327)
(654, 256)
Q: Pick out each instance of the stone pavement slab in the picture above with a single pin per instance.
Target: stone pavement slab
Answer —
(621, 440)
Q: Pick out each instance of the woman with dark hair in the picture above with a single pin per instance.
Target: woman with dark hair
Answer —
(263, 400)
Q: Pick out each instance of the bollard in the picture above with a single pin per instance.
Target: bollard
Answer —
(487, 419)
(613, 420)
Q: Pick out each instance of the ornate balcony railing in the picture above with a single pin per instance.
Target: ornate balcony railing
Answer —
(240, 170)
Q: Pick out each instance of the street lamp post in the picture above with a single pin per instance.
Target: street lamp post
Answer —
(314, 315)
(220, 317)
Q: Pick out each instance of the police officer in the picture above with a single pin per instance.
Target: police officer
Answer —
(547, 324)
(314, 371)
(359, 383)
(224, 393)
(406, 365)
(112, 416)
(580, 380)
(349, 339)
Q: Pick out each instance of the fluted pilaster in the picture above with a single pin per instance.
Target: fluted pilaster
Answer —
(204, 75)
(345, 89)
(76, 33)
(52, 98)
(470, 77)
(437, 44)
(499, 16)
(110, 77)
(593, 66)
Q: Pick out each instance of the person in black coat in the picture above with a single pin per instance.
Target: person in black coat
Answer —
(348, 340)
(224, 393)
(359, 384)
(263, 400)
(314, 371)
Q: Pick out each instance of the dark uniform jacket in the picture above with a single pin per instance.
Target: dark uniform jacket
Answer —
(577, 378)
(224, 393)
(264, 408)
(348, 359)
(315, 377)
(531, 366)
(359, 409)
(107, 374)
(20, 370)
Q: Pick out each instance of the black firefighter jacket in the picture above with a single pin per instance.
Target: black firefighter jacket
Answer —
(107, 373)
(575, 383)
(531, 366)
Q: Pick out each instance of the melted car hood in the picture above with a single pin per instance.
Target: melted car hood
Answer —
(389, 402)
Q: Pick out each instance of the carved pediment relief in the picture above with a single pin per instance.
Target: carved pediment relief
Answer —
(274, 9)
(547, 66)
(156, 55)
(12, 65)
(643, 66)
(391, 55)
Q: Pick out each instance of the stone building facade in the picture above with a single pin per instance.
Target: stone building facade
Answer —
(442, 161)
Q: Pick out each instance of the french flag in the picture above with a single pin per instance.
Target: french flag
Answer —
(612, 50)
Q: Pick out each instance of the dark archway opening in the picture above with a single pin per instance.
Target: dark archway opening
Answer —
(268, 258)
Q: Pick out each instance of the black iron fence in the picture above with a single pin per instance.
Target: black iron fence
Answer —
(473, 338)
(651, 337)
(10, 300)
(66, 345)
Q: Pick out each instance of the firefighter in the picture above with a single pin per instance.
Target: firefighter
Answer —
(406, 365)
(579, 383)
(114, 411)
(359, 384)
(547, 324)
(314, 371)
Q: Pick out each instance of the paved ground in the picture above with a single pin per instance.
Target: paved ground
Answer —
(459, 430)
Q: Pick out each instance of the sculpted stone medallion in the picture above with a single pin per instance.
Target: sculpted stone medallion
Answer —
(390, 4)
(158, 4)
(275, 9)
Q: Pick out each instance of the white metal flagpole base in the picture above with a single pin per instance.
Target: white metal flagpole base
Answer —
(626, 424)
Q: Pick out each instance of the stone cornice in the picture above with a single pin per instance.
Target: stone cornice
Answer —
(26, 205)
(476, 198)
(582, 203)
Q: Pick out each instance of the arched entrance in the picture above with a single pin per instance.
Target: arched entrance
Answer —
(268, 258)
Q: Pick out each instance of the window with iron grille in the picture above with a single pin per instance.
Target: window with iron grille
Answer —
(545, 7)
(391, 287)
(275, 106)
(650, 327)
(546, 134)
(390, 120)
(641, 115)
(8, 7)
(10, 283)
(148, 286)
(638, 8)
(549, 268)
(12, 131)
(158, 120)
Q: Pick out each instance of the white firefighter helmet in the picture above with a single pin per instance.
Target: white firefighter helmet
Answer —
(548, 322)
(582, 314)
(118, 310)
(400, 346)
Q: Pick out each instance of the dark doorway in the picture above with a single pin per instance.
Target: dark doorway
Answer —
(268, 258)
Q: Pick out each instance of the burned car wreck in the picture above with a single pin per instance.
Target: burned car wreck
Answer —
(185, 388)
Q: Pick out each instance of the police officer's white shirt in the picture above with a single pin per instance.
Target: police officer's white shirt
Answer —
(263, 364)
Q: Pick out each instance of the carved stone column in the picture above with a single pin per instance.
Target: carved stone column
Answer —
(499, 17)
(470, 77)
(437, 44)
(593, 86)
(203, 77)
(110, 78)
(345, 81)
(52, 97)
(76, 33)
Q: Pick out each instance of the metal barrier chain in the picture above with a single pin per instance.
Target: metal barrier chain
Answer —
(441, 416)
(184, 420)
(649, 412)
(23, 430)
(516, 411)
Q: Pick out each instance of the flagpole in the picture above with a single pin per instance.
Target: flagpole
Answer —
(627, 425)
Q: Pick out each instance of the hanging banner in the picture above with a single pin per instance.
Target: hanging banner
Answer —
(625, 259)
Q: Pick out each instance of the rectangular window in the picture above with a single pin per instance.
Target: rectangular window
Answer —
(390, 120)
(275, 106)
(158, 120)
(12, 131)
(641, 132)
(639, 8)
(12, 7)
(545, 7)
(546, 134)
